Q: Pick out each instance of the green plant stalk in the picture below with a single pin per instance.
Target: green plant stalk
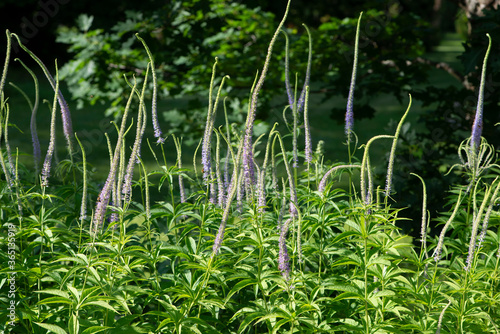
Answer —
(293, 195)
(439, 246)
(146, 193)
(469, 269)
(225, 216)
(425, 223)
(7, 60)
(120, 177)
(472, 257)
(54, 85)
(390, 167)
(266, 157)
(50, 151)
(120, 141)
(83, 206)
(6, 142)
(34, 109)
(2, 159)
(365, 274)
(178, 148)
(156, 126)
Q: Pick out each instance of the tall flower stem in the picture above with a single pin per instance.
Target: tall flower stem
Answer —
(50, 151)
(65, 114)
(390, 167)
(156, 125)
(126, 188)
(34, 134)
(425, 223)
(232, 192)
(104, 195)
(365, 170)
(7, 61)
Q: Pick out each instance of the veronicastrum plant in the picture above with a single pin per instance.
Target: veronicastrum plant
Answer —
(255, 243)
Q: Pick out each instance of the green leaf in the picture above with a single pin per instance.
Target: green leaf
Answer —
(55, 292)
(55, 300)
(95, 329)
(100, 303)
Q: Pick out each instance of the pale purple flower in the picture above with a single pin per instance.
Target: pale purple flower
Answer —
(156, 125)
(291, 98)
(101, 206)
(302, 98)
(322, 183)
(135, 155)
(205, 153)
(37, 153)
(248, 162)
(65, 113)
(349, 116)
(213, 193)
(52, 142)
(470, 255)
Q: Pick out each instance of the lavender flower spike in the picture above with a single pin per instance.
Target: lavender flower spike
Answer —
(7, 60)
(390, 166)
(302, 98)
(322, 183)
(307, 129)
(37, 154)
(50, 151)
(65, 114)
(488, 214)
(287, 72)
(104, 196)
(206, 159)
(283, 257)
(439, 247)
(156, 125)
(233, 187)
(475, 225)
(349, 116)
(477, 127)
(247, 150)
